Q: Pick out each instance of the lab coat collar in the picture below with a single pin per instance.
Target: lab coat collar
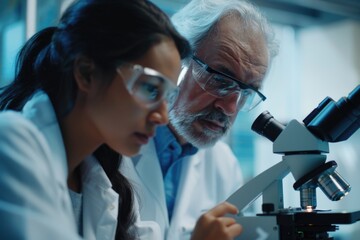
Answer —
(40, 111)
(188, 178)
(151, 174)
(155, 175)
(91, 169)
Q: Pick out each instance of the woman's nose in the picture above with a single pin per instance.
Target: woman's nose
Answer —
(159, 116)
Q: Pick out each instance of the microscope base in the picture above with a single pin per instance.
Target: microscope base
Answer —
(295, 225)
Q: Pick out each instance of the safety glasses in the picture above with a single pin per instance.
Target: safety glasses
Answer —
(221, 85)
(147, 86)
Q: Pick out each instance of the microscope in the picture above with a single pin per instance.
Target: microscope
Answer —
(303, 146)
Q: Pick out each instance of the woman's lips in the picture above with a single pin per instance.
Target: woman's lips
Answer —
(142, 138)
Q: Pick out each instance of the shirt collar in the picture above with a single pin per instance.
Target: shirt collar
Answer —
(164, 138)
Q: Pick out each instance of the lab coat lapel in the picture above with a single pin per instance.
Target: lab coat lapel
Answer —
(151, 174)
(188, 179)
(147, 225)
(148, 168)
(100, 202)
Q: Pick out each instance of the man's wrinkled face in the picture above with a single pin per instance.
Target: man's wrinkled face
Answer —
(213, 122)
(201, 118)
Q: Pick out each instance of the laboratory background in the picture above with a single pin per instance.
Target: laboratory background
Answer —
(319, 56)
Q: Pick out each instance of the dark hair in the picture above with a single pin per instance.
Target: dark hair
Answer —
(107, 32)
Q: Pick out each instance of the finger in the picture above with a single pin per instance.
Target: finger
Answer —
(227, 221)
(234, 229)
(222, 209)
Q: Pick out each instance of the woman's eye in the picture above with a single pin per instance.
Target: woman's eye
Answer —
(149, 88)
(148, 91)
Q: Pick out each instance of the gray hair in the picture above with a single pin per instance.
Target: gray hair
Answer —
(196, 20)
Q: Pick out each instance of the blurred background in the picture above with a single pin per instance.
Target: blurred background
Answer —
(319, 56)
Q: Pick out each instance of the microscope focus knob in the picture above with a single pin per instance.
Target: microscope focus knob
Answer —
(268, 207)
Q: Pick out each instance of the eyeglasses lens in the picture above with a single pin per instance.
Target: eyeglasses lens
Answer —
(149, 87)
(221, 86)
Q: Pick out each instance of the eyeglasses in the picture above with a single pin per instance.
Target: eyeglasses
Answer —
(147, 86)
(221, 85)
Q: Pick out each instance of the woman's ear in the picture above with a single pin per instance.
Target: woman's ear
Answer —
(83, 71)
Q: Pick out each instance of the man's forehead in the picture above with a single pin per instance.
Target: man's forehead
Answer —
(229, 48)
(236, 38)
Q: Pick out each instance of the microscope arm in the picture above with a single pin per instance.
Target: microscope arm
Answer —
(268, 183)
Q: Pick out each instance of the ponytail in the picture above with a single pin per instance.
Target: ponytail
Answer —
(30, 63)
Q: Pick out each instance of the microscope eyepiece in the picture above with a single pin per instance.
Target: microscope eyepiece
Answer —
(335, 121)
(266, 125)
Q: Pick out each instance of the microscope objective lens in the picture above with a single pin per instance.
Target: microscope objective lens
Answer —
(308, 198)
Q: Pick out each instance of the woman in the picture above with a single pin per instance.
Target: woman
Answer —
(102, 77)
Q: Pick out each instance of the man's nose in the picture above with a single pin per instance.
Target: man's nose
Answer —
(228, 104)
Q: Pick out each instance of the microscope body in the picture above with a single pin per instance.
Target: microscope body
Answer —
(303, 147)
(302, 153)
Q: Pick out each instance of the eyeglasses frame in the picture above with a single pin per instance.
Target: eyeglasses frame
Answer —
(237, 81)
(147, 71)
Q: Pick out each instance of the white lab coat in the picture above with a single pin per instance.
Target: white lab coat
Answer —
(100, 202)
(100, 206)
(207, 178)
(34, 198)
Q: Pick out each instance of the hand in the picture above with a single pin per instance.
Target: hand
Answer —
(214, 226)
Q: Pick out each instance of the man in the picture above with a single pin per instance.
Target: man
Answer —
(186, 170)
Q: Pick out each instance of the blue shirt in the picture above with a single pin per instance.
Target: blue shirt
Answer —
(170, 153)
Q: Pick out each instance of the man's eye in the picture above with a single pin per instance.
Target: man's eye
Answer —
(246, 92)
(220, 82)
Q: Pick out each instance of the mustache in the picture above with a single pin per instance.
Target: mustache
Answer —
(214, 115)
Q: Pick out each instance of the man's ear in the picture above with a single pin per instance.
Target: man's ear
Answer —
(83, 71)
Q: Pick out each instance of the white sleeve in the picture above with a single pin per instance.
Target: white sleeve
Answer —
(29, 208)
